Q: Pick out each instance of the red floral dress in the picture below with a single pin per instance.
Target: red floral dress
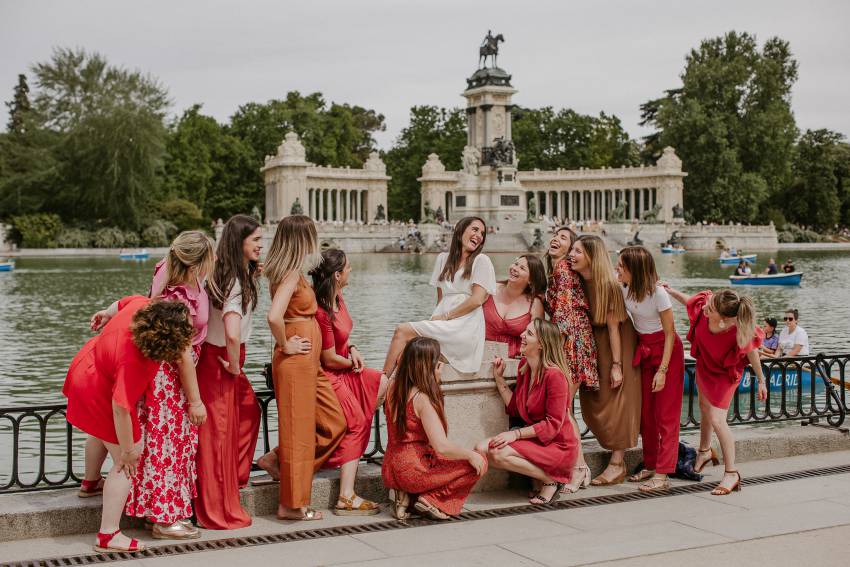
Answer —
(164, 485)
(568, 308)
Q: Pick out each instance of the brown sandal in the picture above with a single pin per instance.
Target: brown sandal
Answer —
(602, 481)
(401, 500)
(723, 491)
(366, 507)
(427, 509)
(713, 459)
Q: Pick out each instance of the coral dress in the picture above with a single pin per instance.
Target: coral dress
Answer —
(568, 308)
(544, 406)
(109, 368)
(164, 485)
(720, 361)
(411, 465)
(504, 330)
(357, 392)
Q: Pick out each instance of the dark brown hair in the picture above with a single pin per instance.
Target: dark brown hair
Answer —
(416, 370)
(162, 330)
(324, 283)
(230, 264)
(536, 277)
(573, 238)
(456, 250)
(641, 266)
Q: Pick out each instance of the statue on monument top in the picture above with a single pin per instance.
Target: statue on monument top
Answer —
(489, 48)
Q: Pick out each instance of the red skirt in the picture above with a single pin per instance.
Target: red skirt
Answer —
(357, 394)
(226, 442)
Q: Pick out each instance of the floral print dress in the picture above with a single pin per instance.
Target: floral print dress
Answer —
(566, 304)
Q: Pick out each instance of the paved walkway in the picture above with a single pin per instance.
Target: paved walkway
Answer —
(797, 522)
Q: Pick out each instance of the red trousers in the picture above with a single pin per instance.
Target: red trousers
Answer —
(226, 441)
(660, 411)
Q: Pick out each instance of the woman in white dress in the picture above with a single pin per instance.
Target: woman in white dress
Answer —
(464, 278)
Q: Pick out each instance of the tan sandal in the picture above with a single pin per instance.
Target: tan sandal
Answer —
(307, 515)
(401, 500)
(427, 509)
(655, 485)
(602, 481)
(643, 475)
(365, 508)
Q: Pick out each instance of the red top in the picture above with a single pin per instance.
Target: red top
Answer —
(110, 367)
(504, 330)
(335, 333)
(720, 361)
(544, 406)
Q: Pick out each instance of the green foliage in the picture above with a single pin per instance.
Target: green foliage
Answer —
(19, 107)
(732, 125)
(431, 130)
(158, 233)
(793, 233)
(38, 230)
(75, 238)
(183, 214)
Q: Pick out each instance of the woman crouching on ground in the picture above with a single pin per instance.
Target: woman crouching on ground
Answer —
(419, 460)
(546, 447)
(723, 337)
(357, 388)
(105, 382)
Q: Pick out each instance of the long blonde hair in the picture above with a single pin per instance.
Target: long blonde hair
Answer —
(551, 349)
(295, 248)
(728, 303)
(190, 249)
(608, 296)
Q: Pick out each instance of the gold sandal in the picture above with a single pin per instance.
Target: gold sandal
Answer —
(308, 515)
(643, 475)
(366, 507)
(427, 509)
(654, 485)
(401, 500)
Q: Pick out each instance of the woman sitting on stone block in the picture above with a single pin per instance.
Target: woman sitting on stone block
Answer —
(420, 462)
(516, 301)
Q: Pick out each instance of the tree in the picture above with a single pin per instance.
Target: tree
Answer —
(815, 197)
(431, 130)
(111, 136)
(732, 125)
(19, 106)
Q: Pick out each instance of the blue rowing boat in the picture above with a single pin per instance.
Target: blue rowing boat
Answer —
(671, 250)
(7, 266)
(733, 260)
(140, 255)
(794, 278)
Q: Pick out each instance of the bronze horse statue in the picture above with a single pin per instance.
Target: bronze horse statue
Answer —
(489, 48)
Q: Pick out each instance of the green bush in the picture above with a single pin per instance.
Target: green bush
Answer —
(793, 233)
(158, 233)
(184, 214)
(75, 238)
(131, 239)
(785, 236)
(109, 237)
(38, 230)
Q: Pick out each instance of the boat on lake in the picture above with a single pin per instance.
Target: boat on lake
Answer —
(7, 265)
(794, 278)
(733, 260)
(134, 255)
(672, 250)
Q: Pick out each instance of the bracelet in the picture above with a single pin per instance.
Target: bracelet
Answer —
(663, 369)
(196, 404)
(616, 363)
(353, 347)
(518, 434)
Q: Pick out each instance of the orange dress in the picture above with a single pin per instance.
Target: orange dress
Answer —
(310, 420)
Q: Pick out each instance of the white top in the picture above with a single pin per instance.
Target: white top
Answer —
(462, 338)
(215, 329)
(788, 340)
(646, 314)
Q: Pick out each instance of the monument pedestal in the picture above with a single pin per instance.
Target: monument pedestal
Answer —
(474, 408)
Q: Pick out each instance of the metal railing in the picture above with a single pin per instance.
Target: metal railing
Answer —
(807, 389)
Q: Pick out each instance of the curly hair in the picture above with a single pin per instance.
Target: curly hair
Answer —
(162, 330)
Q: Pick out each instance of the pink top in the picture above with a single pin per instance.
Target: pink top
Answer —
(196, 300)
(502, 330)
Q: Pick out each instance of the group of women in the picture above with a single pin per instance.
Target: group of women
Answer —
(161, 388)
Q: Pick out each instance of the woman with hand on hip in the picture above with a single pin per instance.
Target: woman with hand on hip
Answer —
(357, 387)
(545, 448)
(227, 441)
(724, 337)
(613, 411)
(517, 301)
(661, 359)
(464, 277)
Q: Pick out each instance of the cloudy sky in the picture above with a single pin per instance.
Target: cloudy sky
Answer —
(390, 55)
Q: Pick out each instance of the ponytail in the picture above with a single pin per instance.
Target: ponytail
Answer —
(745, 320)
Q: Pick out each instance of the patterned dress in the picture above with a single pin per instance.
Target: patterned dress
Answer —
(568, 308)
(164, 485)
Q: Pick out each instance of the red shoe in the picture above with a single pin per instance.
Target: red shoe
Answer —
(104, 541)
(89, 488)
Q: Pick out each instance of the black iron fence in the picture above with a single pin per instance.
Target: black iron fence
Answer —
(39, 450)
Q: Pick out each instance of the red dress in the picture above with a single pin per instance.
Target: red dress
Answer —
(411, 465)
(502, 330)
(109, 367)
(720, 361)
(568, 308)
(357, 392)
(544, 405)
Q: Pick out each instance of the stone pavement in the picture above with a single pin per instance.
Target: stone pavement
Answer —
(796, 522)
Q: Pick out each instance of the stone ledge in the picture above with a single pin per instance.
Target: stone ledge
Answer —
(60, 512)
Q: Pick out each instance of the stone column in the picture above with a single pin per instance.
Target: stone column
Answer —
(357, 206)
(548, 212)
(604, 206)
(639, 208)
(338, 215)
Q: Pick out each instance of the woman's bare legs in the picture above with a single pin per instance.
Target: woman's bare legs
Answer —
(95, 455)
(508, 459)
(403, 333)
(721, 428)
(577, 477)
(115, 493)
(705, 431)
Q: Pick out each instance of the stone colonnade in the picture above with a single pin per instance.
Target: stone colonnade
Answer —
(594, 204)
(338, 205)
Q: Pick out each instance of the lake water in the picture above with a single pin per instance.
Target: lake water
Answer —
(46, 304)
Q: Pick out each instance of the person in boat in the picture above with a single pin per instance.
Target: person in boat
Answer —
(793, 340)
(788, 266)
(724, 253)
(733, 252)
(772, 268)
(770, 343)
(743, 269)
